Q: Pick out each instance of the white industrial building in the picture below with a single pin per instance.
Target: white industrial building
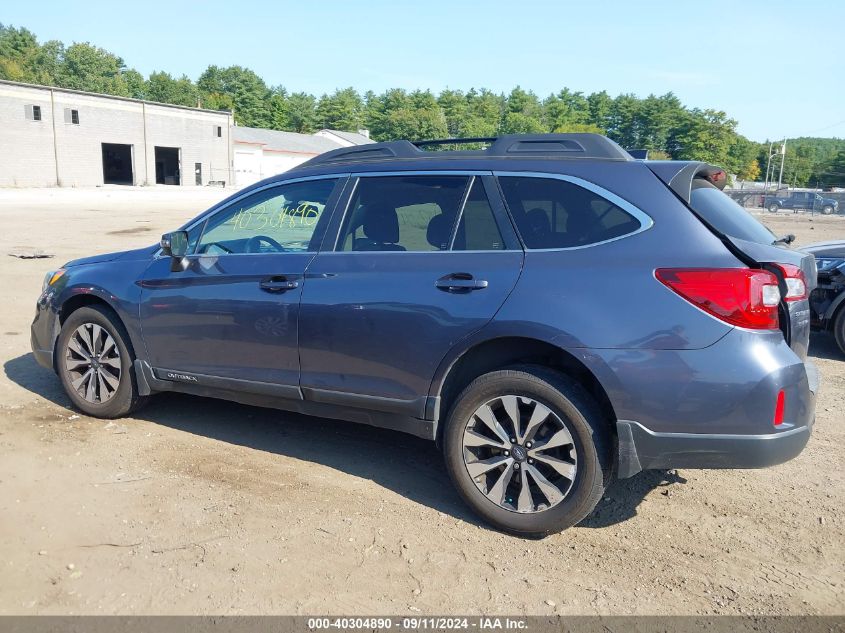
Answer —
(259, 153)
(67, 138)
(346, 139)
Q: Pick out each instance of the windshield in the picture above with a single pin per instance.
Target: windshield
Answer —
(726, 216)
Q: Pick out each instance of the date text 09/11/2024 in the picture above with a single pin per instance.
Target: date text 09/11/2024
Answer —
(417, 623)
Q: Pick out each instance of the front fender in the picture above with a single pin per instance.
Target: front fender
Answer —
(113, 286)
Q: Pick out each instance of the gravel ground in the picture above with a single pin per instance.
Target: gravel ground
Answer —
(201, 506)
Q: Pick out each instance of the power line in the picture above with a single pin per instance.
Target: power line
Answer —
(826, 127)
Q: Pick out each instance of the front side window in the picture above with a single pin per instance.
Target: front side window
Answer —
(279, 219)
(403, 213)
(554, 213)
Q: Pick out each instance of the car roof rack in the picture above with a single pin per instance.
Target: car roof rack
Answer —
(575, 145)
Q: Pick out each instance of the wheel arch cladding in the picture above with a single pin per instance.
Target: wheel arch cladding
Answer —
(498, 353)
(85, 300)
(82, 300)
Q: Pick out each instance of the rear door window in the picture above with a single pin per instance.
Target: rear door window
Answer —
(403, 213)
(556, 213)
(477, 229)
(722, 213)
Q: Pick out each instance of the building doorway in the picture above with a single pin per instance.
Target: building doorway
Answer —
(167, 166)
(117, 164)
(198, 173)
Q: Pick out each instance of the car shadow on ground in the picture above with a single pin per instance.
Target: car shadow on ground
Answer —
(823, 345)
(409, 466)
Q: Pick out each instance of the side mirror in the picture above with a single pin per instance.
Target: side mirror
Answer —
(175, 246)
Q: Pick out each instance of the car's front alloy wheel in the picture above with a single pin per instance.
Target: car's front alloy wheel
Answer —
(93, 362)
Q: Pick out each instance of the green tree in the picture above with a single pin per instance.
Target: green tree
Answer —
(600, 106)
(742, 158)
(523, 113)
(484, 113)
(655, 119)
(342, 110)
(87, 67)
(301, 112)
(704, 135)
(566, 110)
(165, 89)
(135, 84)
(279, 108)
(453, 103)
(834, 171)
(239, 88)
(623, 121)
(415, 116)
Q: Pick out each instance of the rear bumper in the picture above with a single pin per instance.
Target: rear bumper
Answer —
(643, 449)
(648, 450)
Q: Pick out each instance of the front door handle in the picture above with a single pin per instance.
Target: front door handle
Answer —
(278, 284)
(460, 282)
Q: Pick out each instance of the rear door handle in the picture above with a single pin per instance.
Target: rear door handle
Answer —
(278, 284)
(460, 282)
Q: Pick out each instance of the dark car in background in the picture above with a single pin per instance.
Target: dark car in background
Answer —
(804, 200)
(548, 310)
(827, 301)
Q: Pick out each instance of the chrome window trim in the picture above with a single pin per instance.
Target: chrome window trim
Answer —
(645, 220)
(218, 209)
(470, 173)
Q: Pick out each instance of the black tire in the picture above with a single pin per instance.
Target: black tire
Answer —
(125, 398)
(827, 209)
(773, 208)
(578, 412)
(838, 328)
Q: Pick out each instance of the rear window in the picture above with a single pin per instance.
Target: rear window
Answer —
(726, 216)
(554, 213)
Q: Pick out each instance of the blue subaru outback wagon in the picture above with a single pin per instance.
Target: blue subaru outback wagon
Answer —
(550, 311)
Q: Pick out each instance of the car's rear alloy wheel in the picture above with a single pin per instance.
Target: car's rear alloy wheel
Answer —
(827, 209)
(528, 449)
(773, 208)
(520, 454)
(93, 362)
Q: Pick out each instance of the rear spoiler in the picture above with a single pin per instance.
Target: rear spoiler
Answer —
(679, 175)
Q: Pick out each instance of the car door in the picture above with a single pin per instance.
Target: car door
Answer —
(421, 260)
(230, 319)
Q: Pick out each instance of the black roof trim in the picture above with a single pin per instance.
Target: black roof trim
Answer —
(580, 145)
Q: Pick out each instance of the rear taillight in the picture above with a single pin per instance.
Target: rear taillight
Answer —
(796, 282)
(739, 296)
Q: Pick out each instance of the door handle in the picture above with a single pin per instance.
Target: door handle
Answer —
(460, 282)
(277, 284)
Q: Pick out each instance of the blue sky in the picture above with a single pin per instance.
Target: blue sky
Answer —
(706, 53)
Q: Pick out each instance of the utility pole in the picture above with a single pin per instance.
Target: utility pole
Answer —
(768, 165)
(782, 160)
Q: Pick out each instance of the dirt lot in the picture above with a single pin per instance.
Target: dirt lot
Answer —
(200, 506)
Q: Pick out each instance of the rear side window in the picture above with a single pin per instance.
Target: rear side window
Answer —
(726, 216)
(478, 230)
(554, 213)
